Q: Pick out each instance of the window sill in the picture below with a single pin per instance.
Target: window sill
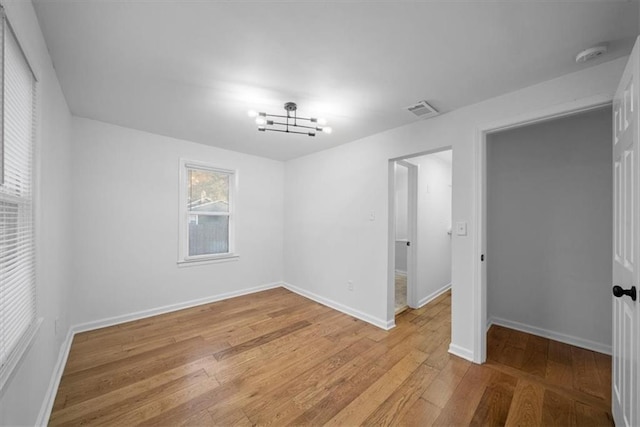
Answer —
(16, 357)
(212, 260)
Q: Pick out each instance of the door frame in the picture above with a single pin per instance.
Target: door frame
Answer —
(480, 202)
(412, 231)
(412, 195)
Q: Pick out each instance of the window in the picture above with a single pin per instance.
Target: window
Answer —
(18, 322)
(206, 212)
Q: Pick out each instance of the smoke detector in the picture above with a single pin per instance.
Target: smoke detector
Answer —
(591, 53)
(422, 109)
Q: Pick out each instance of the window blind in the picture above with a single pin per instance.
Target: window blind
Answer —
(17, 249)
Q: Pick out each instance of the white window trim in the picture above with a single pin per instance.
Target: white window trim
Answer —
(183, 233)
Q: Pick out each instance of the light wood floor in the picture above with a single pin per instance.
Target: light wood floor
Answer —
(275, 358)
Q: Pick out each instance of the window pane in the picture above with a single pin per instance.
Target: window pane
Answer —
(208, 191)
(208, 234)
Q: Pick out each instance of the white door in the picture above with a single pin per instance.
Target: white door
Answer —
(626, 249)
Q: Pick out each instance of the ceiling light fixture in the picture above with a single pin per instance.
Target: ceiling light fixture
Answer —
(289, 123)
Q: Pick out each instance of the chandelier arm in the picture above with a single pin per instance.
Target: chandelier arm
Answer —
(291, 117)
(298, 126)
(289, 131)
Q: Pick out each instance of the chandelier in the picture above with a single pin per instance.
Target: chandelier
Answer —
(289, 123)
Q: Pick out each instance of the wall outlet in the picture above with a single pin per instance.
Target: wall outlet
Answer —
(350, 285)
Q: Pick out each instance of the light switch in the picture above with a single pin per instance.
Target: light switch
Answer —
(372, 216)
(461, 228)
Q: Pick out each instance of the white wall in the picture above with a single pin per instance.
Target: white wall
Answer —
(327, 244)
(549, 222)
(434, 219)
(23, 397)
(125, 219)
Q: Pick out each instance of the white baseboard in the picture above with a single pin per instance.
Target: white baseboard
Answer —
(116, 320)
(465, 353)
(556, 336)
(424, 301)
(342, 308)
(401, 273)
(56, 376)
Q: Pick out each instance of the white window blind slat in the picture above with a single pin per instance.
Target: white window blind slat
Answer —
(17, 246)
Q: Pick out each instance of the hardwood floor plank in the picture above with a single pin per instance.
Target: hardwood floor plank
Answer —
(512, 356)
(258, 341)
(202, 418)
(526, 406)
(517, 339)
(559, 374)
(393, 408)
(340, 396)
(560, 352)
(136, 393)
(557, 410)
(589, 416)
(102, 356)
(228, 417)
(168, 410)
(585, 373)
(464, 401)
(367, 402)
(305, 391)
(494, 405)
(420, 414)
(440, 390)
(603, 366)
(84, 385)
(535, 363)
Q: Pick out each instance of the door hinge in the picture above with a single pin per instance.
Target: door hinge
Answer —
(408, 243)
(482, 257)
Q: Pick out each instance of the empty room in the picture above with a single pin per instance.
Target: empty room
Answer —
(319, 213)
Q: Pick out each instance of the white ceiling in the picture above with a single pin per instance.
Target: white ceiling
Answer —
(192, 69)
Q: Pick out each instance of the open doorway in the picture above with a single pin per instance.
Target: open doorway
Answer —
(549, 231)
(421, 242)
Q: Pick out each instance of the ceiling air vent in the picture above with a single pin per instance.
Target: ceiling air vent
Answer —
(422, 110)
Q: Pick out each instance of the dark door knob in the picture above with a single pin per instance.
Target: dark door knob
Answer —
(619, 292)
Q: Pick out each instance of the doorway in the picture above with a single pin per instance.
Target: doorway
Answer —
(403, 225)
(481, 317)
(420, 229)
(549, 229)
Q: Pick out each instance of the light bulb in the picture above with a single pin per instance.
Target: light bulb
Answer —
(252, 113)
(327, 129)
(322, 121)
(261, 121)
